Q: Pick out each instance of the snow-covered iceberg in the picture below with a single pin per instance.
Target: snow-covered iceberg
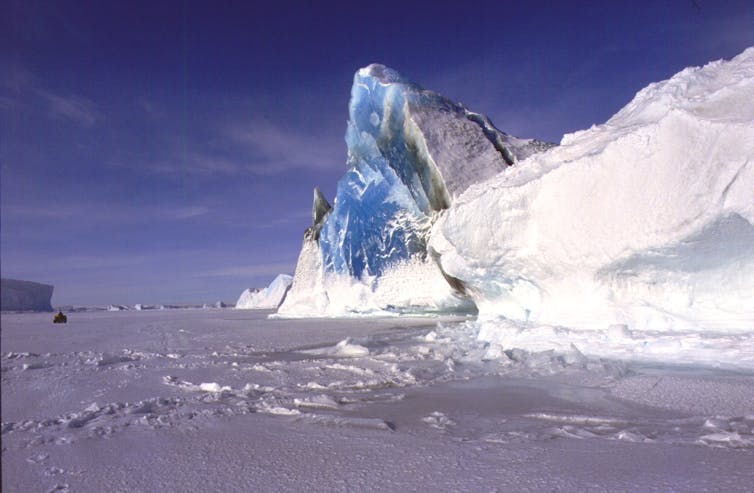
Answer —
(643, 222)
(268, 298)
(411, 152)
(25, 296)
(646, 220)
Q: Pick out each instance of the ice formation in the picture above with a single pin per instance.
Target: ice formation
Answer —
(25, 296)
(644, 221)
(411, 152)
(270, 297)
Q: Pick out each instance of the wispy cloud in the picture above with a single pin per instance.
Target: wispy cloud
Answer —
(152, 110)
(192, 163)
(95, 213)
(272, 148)
(250, 271)
(77, 109)
(297, 217)
(16, 78)
(186, 212)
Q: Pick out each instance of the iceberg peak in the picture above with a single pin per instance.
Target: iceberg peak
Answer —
(320, 207)
(411, 152)
(382, 74)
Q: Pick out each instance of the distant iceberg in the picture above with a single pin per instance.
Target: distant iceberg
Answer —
(268, 298)
(20, 295)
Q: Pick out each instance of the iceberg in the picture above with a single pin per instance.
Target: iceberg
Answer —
(268, 298)
(20, 295)
(646, 221)
(411, 152)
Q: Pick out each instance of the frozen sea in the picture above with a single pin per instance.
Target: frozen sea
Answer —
(229, 400)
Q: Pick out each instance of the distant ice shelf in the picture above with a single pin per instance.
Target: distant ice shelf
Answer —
(20, 295)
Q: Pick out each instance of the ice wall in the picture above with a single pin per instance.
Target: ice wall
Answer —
(646, 220)
(25, 296)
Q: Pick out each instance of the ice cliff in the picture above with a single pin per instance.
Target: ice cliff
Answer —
(268, 298)
(411, 152)
(25, 296)
(645, 220)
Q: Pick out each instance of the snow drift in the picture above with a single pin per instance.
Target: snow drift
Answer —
(645, 220)
(25, 296)
(270, 297)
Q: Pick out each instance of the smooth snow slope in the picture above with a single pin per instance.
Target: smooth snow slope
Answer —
(645, 220)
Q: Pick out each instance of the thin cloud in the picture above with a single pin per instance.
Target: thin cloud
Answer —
(152, 110)
(249, 271)
(77, 109)
(296, 217)
(272, 149)
(95, 213)
(186, 212)
(16, 78)
(195, 163)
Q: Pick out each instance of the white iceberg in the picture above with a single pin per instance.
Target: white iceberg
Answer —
(645, 220)
(268, 298)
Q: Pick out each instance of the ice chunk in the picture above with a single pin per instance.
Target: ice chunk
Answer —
(320, 207)
(348, 349)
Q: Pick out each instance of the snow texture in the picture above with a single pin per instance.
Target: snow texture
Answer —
(25, 296)
(193, 399)
(645, 220)
(270, 297)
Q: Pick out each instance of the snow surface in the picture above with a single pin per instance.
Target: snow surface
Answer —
(207, 400)
(270, 297)
(644, 221)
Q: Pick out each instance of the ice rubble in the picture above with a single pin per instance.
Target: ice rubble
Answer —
(269, 297)
(645, 220)
(410, 153)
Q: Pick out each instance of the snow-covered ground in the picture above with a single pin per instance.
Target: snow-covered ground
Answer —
(224, 400)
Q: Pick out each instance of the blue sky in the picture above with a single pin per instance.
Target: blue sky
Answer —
(167, 151)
